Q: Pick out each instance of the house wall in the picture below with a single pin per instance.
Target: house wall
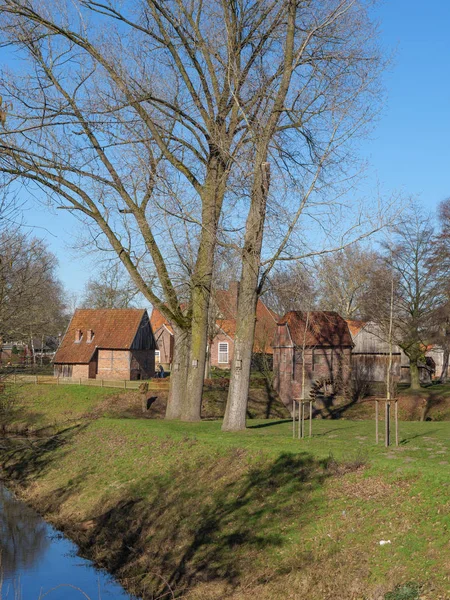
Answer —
(214, 351)
(114, 364)
(80, 371)
(164, 341)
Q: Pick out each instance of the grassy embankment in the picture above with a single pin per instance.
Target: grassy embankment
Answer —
(212, 515)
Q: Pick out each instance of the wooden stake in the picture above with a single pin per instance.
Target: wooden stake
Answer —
(300, 407)
(387, 424)
(293, 418)
(376, 422)
(303, 419)
(310, 418)
(396, 422)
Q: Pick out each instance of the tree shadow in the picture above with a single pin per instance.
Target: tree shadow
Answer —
(182, 536)
(270, 424)
(28, 457)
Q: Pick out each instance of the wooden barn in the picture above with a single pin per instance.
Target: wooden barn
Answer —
(370, 355)
(316, 344)
(107, 344)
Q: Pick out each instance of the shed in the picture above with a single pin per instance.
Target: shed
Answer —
(107, 344)
(370, 355)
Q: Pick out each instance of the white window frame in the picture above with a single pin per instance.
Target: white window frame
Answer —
(220, 353)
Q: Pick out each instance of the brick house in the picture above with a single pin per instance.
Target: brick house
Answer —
(318, 342)
(107, 344)
(223, 317)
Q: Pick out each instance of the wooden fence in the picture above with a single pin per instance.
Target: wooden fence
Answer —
(124, 384)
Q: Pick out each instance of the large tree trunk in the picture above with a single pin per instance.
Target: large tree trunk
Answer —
(197, 356)
(444, 372)
(202, 282)
(414, 372)
(236, 410)
(179, 373)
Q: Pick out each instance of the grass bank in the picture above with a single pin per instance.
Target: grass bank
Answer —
(184, 508)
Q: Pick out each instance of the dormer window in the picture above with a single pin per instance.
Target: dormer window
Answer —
(89, 336)
(78, 336)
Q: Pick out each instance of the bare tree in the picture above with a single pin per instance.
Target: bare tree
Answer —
(32, 303)
(440, 262)
(110, 288)
(327, 67)
(291, 288)
(344, 280)
(416, 294)
(138, 132)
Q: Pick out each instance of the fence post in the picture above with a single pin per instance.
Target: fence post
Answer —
(101, 385)
(36, 379)
(125, 383)
(310, 418)
(293, 418)
(80, 381)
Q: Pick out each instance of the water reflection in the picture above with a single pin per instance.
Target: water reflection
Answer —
(23, 535)
(37, 562)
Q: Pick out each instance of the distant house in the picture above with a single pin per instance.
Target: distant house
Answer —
(107, 344)
(370, 355)
(316, 345)
(221, 339)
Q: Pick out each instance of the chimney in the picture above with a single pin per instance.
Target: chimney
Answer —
(233, 288)
(89, 336)
(78, 336)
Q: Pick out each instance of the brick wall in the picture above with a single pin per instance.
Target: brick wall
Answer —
(114, 364)
(80, 371)
(320, 363)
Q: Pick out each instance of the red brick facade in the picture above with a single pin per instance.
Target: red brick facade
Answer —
(107, 344)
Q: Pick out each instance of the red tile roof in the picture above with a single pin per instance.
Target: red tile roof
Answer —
(157, 320)
(113, 329)
(226, 302)
(355, 326)
(325, 328)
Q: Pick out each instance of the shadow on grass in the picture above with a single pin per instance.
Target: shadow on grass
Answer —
(28, 457)
(206, 524)
(270, 424)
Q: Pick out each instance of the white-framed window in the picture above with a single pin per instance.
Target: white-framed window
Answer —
(223, 352)
(157, 357)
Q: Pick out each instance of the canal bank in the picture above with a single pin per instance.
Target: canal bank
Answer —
(37, 561)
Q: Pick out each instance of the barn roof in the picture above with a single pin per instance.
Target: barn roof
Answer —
(113, 329)
(317, 328)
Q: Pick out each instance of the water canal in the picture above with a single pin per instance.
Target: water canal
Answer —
(36, 561)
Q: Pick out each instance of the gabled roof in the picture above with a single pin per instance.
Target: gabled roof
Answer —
(355, 326)
(317, 328)
(157, 320)
(113, 329)
(226, 313)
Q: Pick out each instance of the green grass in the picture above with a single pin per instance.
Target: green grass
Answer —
(234, 515)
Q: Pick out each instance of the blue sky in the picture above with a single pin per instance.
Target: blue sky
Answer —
(408, 150)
